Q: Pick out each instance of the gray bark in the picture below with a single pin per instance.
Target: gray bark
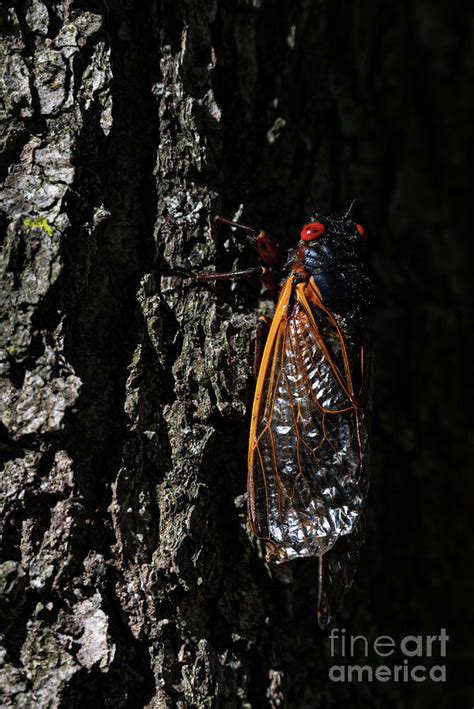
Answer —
(128, 575)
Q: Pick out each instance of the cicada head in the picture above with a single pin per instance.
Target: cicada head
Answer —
(325, 229)
(333, 250)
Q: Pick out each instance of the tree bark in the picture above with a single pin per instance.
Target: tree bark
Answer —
(128, 575)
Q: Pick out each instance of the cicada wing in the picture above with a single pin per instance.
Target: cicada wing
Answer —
(336, 572)
(308, 444)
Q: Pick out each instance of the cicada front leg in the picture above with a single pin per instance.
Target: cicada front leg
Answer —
(268, 278)
(259, 271)
(263, 243)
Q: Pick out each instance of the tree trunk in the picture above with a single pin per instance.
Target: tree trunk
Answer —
(128, 576)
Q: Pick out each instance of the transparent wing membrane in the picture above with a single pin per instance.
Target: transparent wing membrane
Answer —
(308, 447)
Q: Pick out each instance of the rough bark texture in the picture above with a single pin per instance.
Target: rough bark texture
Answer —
(128, 576)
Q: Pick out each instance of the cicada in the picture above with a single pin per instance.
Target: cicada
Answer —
(308, 448)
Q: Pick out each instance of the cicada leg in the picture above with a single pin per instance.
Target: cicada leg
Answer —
(267, 276)
(230, 275)
(322, 611)
(264, 244)
(366, 365)
(261, 334)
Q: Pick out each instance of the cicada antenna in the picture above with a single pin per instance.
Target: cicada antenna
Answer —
(237, 225)
(346, 215)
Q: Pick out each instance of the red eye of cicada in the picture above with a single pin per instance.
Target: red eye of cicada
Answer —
(312, 231)
(361, 230)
